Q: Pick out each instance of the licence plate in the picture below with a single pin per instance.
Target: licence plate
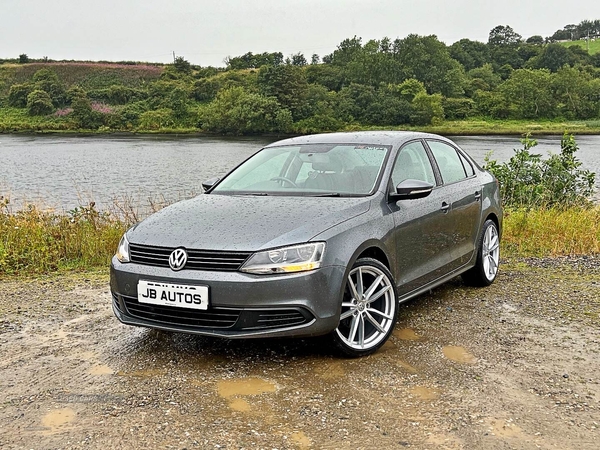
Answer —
(177, 295)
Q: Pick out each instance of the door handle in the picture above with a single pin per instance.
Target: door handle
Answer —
(478, 195)
(445, 207)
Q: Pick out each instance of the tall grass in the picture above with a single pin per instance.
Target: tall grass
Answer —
(34, 241)
(37, 241)
(552, 232)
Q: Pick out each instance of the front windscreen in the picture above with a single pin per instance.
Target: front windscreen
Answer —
(308, 170)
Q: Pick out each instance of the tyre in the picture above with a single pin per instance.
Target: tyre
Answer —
(369, 309)
(488, 257)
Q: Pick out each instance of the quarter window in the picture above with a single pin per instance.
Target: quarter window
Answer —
(448, 161)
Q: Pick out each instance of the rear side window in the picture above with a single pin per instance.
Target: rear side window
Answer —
(467, 165)
(448, 161)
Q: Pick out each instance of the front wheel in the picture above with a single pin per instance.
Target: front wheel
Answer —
(369, 309)
(488, 257)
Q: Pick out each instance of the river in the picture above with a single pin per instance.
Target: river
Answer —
(63, 172)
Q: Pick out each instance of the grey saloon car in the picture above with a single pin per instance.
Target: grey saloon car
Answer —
(313, 235)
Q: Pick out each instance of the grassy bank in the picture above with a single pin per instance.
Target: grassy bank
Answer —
(17, 120)
(33, 241)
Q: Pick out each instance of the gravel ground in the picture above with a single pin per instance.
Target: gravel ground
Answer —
(515, 365)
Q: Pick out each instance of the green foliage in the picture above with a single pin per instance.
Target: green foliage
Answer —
(237, 111)
(528, 95)
(157, 120)
(458, 108)
(427, 109)
(527, 180)
(35, 241)
(23, 58)
(118, 94)
(18, 93)
(47, 80)
(84, 115)
(471, 54)
(39, 103)
(181, 65)
(287, 84)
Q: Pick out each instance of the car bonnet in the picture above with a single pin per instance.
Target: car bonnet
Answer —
(244, 223)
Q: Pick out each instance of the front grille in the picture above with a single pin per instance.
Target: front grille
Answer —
(234, 319)
(197, 259)
(213, 318)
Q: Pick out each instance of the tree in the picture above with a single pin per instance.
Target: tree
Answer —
(471, 54)
(235, 110)
(23, 58)
(427, 110)
(39, 103)
(287, 84)
(314, 59)
(553, 57)
(299, 60)
(47, 80)
(503, 35)
(427, 59)
(528, 93)
(570, 87)
(484, 78)
(181, 65)
(535, 40)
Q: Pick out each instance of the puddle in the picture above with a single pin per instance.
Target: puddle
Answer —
(330, 371)
(406, 366)
(406, 334)
(57, 419)
(425, 393)
(301, 439)
(100, 370)
(239, 404)
(458, 354)
(244, 386)
(144, 373)
(77, 320)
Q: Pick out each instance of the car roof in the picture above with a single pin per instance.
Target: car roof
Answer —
(357, 137)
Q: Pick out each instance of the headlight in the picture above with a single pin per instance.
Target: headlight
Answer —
(297, 258)
(123, 249)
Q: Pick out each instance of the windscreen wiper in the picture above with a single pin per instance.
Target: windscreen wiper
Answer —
(329, 194)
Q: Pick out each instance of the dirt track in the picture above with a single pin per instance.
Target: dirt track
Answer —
(516, 365)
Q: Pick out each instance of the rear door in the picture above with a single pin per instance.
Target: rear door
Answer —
(462, 189)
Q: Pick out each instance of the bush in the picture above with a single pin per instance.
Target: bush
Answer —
(427, 109)
(527, 180)
(39, 103)
(85, 116)
(458, 108)
(238, 111)
(17, 95)
(155, 120)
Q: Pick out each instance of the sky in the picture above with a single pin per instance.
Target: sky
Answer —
(205, 32)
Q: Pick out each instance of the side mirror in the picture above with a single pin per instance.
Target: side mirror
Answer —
(412, 189)
(208, 184)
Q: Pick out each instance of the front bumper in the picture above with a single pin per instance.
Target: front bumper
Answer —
(240, 305)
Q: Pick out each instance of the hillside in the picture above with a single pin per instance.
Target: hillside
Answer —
(594, 45)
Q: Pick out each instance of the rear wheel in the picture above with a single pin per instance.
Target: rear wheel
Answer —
(369, 309)
(488, 257)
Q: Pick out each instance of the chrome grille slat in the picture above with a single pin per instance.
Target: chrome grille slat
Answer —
(197, 259)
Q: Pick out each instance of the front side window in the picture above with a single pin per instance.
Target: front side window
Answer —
(448, 161)
(310, 169)
(413, 164)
